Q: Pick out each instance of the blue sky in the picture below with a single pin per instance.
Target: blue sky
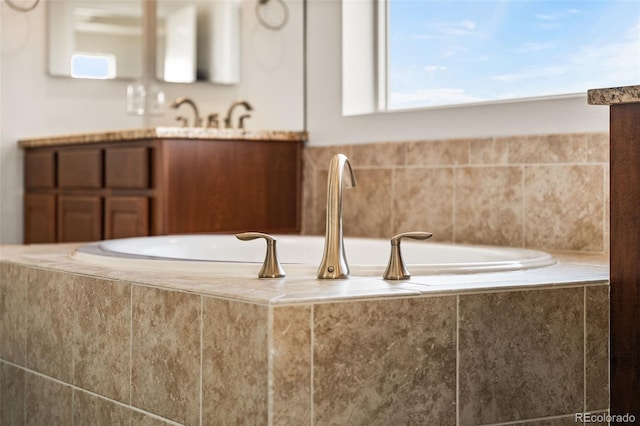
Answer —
(460, 51)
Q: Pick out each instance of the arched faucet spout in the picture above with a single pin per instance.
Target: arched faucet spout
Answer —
(334, 261)
(184, 100)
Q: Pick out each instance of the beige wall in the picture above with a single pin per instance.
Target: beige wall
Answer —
(542, 191)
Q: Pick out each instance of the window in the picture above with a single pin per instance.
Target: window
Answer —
(93, 65)
(443, 52)
(430, 53)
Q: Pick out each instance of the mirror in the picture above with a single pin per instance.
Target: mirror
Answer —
(195, 40)
(198, 41)
(95, 39)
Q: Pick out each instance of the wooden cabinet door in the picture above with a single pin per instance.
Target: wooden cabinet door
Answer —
(80, 168)
(126, 217)
(79, 218)
(39, 218)
(39, 169)
(127, 167)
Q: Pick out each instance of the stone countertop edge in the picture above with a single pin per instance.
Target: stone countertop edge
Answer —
(614, 95)
(165, 133)
(571, 271)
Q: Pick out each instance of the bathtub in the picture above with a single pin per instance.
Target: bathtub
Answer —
(301, 255)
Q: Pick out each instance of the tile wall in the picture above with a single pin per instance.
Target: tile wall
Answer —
(77, 349)
(547, 192)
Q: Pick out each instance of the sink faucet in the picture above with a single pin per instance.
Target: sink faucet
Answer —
(334, 262)
(227, 120)
(184, 100)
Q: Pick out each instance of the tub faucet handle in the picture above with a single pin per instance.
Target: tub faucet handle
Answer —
(396, 269)
(271, 267)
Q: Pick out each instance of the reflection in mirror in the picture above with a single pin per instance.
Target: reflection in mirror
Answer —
(198, 41)
(95, 39)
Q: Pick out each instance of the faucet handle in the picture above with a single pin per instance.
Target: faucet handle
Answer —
(241, 120)
(396, 269)
(212, 121)
(182, 120)
(271, 267)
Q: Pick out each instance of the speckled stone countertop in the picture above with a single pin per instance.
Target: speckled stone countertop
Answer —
(165, 133)
(571, 270)
(614, 95)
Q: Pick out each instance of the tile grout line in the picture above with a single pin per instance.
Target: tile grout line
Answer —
(454, 204)
(131, 287)
(270, 406)
(201, 351)
(96, 395)
(392, 199)
(523, 206)
(457, 360)
(74, 321)
(311, 346)
(531, 421)
(26, 339)
(584, 350)
(605, 223)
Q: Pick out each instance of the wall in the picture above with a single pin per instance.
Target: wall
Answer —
(548, 192)
(34, 104)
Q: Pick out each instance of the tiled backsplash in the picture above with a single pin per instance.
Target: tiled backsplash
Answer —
(548, 192)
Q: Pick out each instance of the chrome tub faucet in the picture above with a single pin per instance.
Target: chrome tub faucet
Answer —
(334, 262)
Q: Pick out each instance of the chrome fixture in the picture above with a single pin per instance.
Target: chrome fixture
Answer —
(184, 100)
(334, 262)
(271, 267)
(227, 121)
(396, 269)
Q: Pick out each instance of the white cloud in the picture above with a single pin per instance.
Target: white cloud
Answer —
(432, 68)
(533, 47)
(555, 16)
(439, 31)
(544, 17)
(428, 97)
(529, 73)
(469, 25)
(593, 65)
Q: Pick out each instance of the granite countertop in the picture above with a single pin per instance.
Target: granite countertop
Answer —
(614, 95)
(165, 133)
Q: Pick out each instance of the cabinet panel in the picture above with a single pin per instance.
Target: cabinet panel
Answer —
(229, 186)
(79, 218)
(127, 167)
(126, 217)
(39, 169)
(39, 218)
(80, 168)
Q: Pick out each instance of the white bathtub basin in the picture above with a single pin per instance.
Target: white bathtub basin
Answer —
(301, 255)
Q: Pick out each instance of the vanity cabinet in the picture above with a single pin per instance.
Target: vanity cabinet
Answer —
(104, 190)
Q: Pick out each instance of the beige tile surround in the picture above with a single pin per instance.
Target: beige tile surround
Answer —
(544, 191)
(140, 348)
(82, 344)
